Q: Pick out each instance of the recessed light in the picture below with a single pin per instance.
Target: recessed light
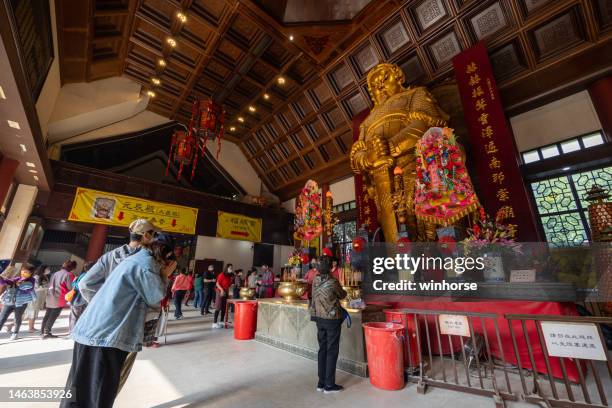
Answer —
(266, 96)
(23, 148)
(241, 119)
(36, 178)
(14, 125)
(155, 81)
(251, 108)
(232, 129)
(151, 94)
(161, 62)
(281, 80)
(62, 220)
(30, 164)
(181, 16)
(291, 37)
(566, 168)
(33, 171)
(2, 95)
(171, 41)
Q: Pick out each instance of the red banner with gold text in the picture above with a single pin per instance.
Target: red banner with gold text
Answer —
(366, 207)
(494, 155)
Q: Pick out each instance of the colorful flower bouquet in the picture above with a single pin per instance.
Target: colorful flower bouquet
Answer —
(308, 213)
(444, 192)
(492, 236)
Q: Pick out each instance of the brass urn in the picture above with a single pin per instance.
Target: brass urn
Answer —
(247, 293)
(292, 290)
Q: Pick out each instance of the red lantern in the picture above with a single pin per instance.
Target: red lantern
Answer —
(183, 150)
(328, 252)
(206, 123)
(403, 245)
(358, 244)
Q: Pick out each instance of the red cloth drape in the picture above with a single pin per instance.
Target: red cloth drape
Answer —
(500, 308)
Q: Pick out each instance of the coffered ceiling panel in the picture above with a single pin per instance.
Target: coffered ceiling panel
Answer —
(290, 91)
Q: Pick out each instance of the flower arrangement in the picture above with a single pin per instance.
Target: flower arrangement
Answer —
(295, 259)
(492, 235)
(308, 213)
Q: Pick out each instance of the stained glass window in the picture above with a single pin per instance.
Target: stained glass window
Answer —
(562, 206)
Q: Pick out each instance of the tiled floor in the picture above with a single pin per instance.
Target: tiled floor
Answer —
(204, 367)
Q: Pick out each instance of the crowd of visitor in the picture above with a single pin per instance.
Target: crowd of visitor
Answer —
(120, 304)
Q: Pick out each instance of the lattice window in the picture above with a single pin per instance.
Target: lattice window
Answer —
(562, 207)
(343, 236)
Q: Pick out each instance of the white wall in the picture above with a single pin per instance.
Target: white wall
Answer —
(235, 163)
(343, 191)
(289, 206)
(281, 255)
(556, 121)
(238, 253)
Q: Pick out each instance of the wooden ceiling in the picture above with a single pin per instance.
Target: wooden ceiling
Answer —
(236, 52)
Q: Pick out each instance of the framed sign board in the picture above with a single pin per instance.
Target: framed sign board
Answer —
(573, 340)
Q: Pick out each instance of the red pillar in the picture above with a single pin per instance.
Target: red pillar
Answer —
(601, 95)
(96, 242)
(8, 167)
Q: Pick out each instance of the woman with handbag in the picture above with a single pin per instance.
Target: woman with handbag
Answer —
(326, 312)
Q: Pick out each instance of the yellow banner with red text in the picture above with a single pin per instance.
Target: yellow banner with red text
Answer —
(240, 227)
(100, 207)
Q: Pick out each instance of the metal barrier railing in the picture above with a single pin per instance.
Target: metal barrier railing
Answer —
(459, 362)
(574, 371)
(499, 356)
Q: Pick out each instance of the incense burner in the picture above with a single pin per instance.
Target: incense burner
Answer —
(247, 293)
(292, 290)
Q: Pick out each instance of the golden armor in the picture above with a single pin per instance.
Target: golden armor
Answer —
(387, 139)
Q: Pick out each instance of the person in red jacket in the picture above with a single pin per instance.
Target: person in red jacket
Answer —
(224, 281)
(181, 285)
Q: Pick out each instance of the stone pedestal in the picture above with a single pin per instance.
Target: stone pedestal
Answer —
(287, 325)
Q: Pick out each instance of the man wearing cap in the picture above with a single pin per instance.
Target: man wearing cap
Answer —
(141, 233)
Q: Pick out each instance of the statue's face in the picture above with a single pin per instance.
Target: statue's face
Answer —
(384, 84)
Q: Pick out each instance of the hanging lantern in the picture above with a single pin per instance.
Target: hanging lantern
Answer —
(358, 244)
(182, 151)
(206, 123)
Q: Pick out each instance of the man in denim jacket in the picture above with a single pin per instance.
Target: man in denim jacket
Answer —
(113, 323)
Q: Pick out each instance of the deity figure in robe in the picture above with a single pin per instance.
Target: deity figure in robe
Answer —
(387, 139)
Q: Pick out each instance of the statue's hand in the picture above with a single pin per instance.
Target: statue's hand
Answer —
(358, 156)
(378, 153)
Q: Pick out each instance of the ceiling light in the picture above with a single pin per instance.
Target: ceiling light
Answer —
(181, 16)
(2, 95)
(33, 171)
(161, 62)
(14, 125)
(23, 148)
(566, 168)
(251, 108)
(30, 164)
(171, 41)
(155, 81)
(232, 129)
(151, 94)
(281, 80)
(35, 178)
(291, 37)
(241, 119)
(266, 96)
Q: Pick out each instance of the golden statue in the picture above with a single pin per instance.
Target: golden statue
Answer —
(387, 138)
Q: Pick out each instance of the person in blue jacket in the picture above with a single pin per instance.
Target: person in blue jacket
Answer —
(112, 325)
